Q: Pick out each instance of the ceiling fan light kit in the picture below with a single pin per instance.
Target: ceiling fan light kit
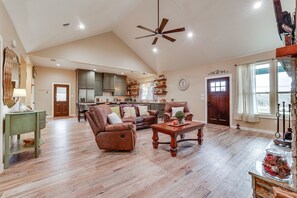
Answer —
(159, 30)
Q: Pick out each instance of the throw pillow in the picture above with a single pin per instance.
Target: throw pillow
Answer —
(114, 118)
(116, 110)
(176, 109)
(129, 112)
(143, 110)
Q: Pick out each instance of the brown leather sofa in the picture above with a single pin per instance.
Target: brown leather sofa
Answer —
(141, 122)
(111, 136)
(168, 111)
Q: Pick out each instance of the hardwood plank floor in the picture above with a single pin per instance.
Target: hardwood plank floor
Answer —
(71, 165)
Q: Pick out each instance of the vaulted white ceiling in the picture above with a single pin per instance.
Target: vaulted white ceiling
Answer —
(223, 29)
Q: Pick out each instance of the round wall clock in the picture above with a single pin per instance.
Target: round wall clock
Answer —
(183, 84)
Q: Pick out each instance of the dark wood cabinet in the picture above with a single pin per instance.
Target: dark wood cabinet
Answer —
(108, 82)
(85, 79)
(98, 84)
(119, 85)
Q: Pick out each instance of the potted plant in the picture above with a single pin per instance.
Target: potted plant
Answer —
(180, 116)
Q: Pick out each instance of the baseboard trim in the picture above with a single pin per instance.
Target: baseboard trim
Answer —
(254, 130)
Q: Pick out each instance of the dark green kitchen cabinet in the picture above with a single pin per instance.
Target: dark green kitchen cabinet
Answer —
(98, 84)
(159, 107)
(108, 82)
(85, 79)
(119, 85)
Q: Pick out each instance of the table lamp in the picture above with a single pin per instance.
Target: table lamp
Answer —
(19, 93)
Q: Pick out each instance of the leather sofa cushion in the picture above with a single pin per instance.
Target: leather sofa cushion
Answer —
(148, 118)
(119, 127)
(129, 120)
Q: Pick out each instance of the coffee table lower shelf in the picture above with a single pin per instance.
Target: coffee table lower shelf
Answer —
(174, 132)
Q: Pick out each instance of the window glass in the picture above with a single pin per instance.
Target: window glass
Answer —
(263, 88)
(147, 91)
(284, 87)
(61, 94)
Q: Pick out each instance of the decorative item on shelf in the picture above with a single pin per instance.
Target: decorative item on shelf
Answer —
(275, 165)
(180, 117)
(160, 85)
(132, 88)
(163, 100)
(286, 140)
(217, 72)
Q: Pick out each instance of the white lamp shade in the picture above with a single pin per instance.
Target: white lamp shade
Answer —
(19, 93)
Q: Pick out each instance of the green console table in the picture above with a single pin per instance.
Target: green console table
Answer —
(20, 123)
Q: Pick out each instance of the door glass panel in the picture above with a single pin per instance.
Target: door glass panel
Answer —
(61, 94)
(212, 84)
(217, 84)
(223, 83)
(223, 88)
(213, 89)
(218, 88)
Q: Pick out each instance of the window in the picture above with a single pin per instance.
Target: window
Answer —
(273, 86)
(147, 91)
(283, 87)
(263, 88)
(218, 86)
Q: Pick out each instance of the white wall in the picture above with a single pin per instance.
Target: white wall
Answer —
(8, 33)
(106, 50)
(43, 84)
(195, 94)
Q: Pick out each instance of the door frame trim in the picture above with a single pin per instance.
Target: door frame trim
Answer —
(53, 93)
(230, 97)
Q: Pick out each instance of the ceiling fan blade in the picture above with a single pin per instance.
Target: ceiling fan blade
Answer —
(163, 24)
(155, 41)
(174, 30)
(145, 36)
(144, 28)
(169, 38)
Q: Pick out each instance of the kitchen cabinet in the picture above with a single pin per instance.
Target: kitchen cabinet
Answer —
(108, 82)
(98, 84)
(85, 79)
(119, 85)
(159, 107)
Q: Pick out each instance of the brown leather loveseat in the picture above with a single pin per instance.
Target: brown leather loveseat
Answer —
(141, 121)
(111, 136)
(168, 111)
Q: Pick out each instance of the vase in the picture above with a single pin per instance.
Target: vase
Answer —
(180, 120)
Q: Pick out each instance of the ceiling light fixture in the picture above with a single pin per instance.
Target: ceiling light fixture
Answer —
(58, 65)
(257, 5)
(190, 34)
(94, 69)
(82, 26)
(122, 73)
(155, 50)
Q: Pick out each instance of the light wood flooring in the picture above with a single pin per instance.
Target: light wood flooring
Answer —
(71, 165)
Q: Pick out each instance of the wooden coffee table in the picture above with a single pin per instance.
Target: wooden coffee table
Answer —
(175, 131)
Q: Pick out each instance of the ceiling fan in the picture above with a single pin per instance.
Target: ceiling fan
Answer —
(159, 30)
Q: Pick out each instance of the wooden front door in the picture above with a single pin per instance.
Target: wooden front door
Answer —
(218, 101)
(61, 100)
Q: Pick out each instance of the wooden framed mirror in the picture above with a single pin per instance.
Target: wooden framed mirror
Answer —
(11, 76)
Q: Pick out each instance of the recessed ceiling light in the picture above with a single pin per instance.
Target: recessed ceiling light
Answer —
(82, 26)
(257, 5)
(190, 34)
(58, 65)
(94, 69)
(122, 73)
(155, 50)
